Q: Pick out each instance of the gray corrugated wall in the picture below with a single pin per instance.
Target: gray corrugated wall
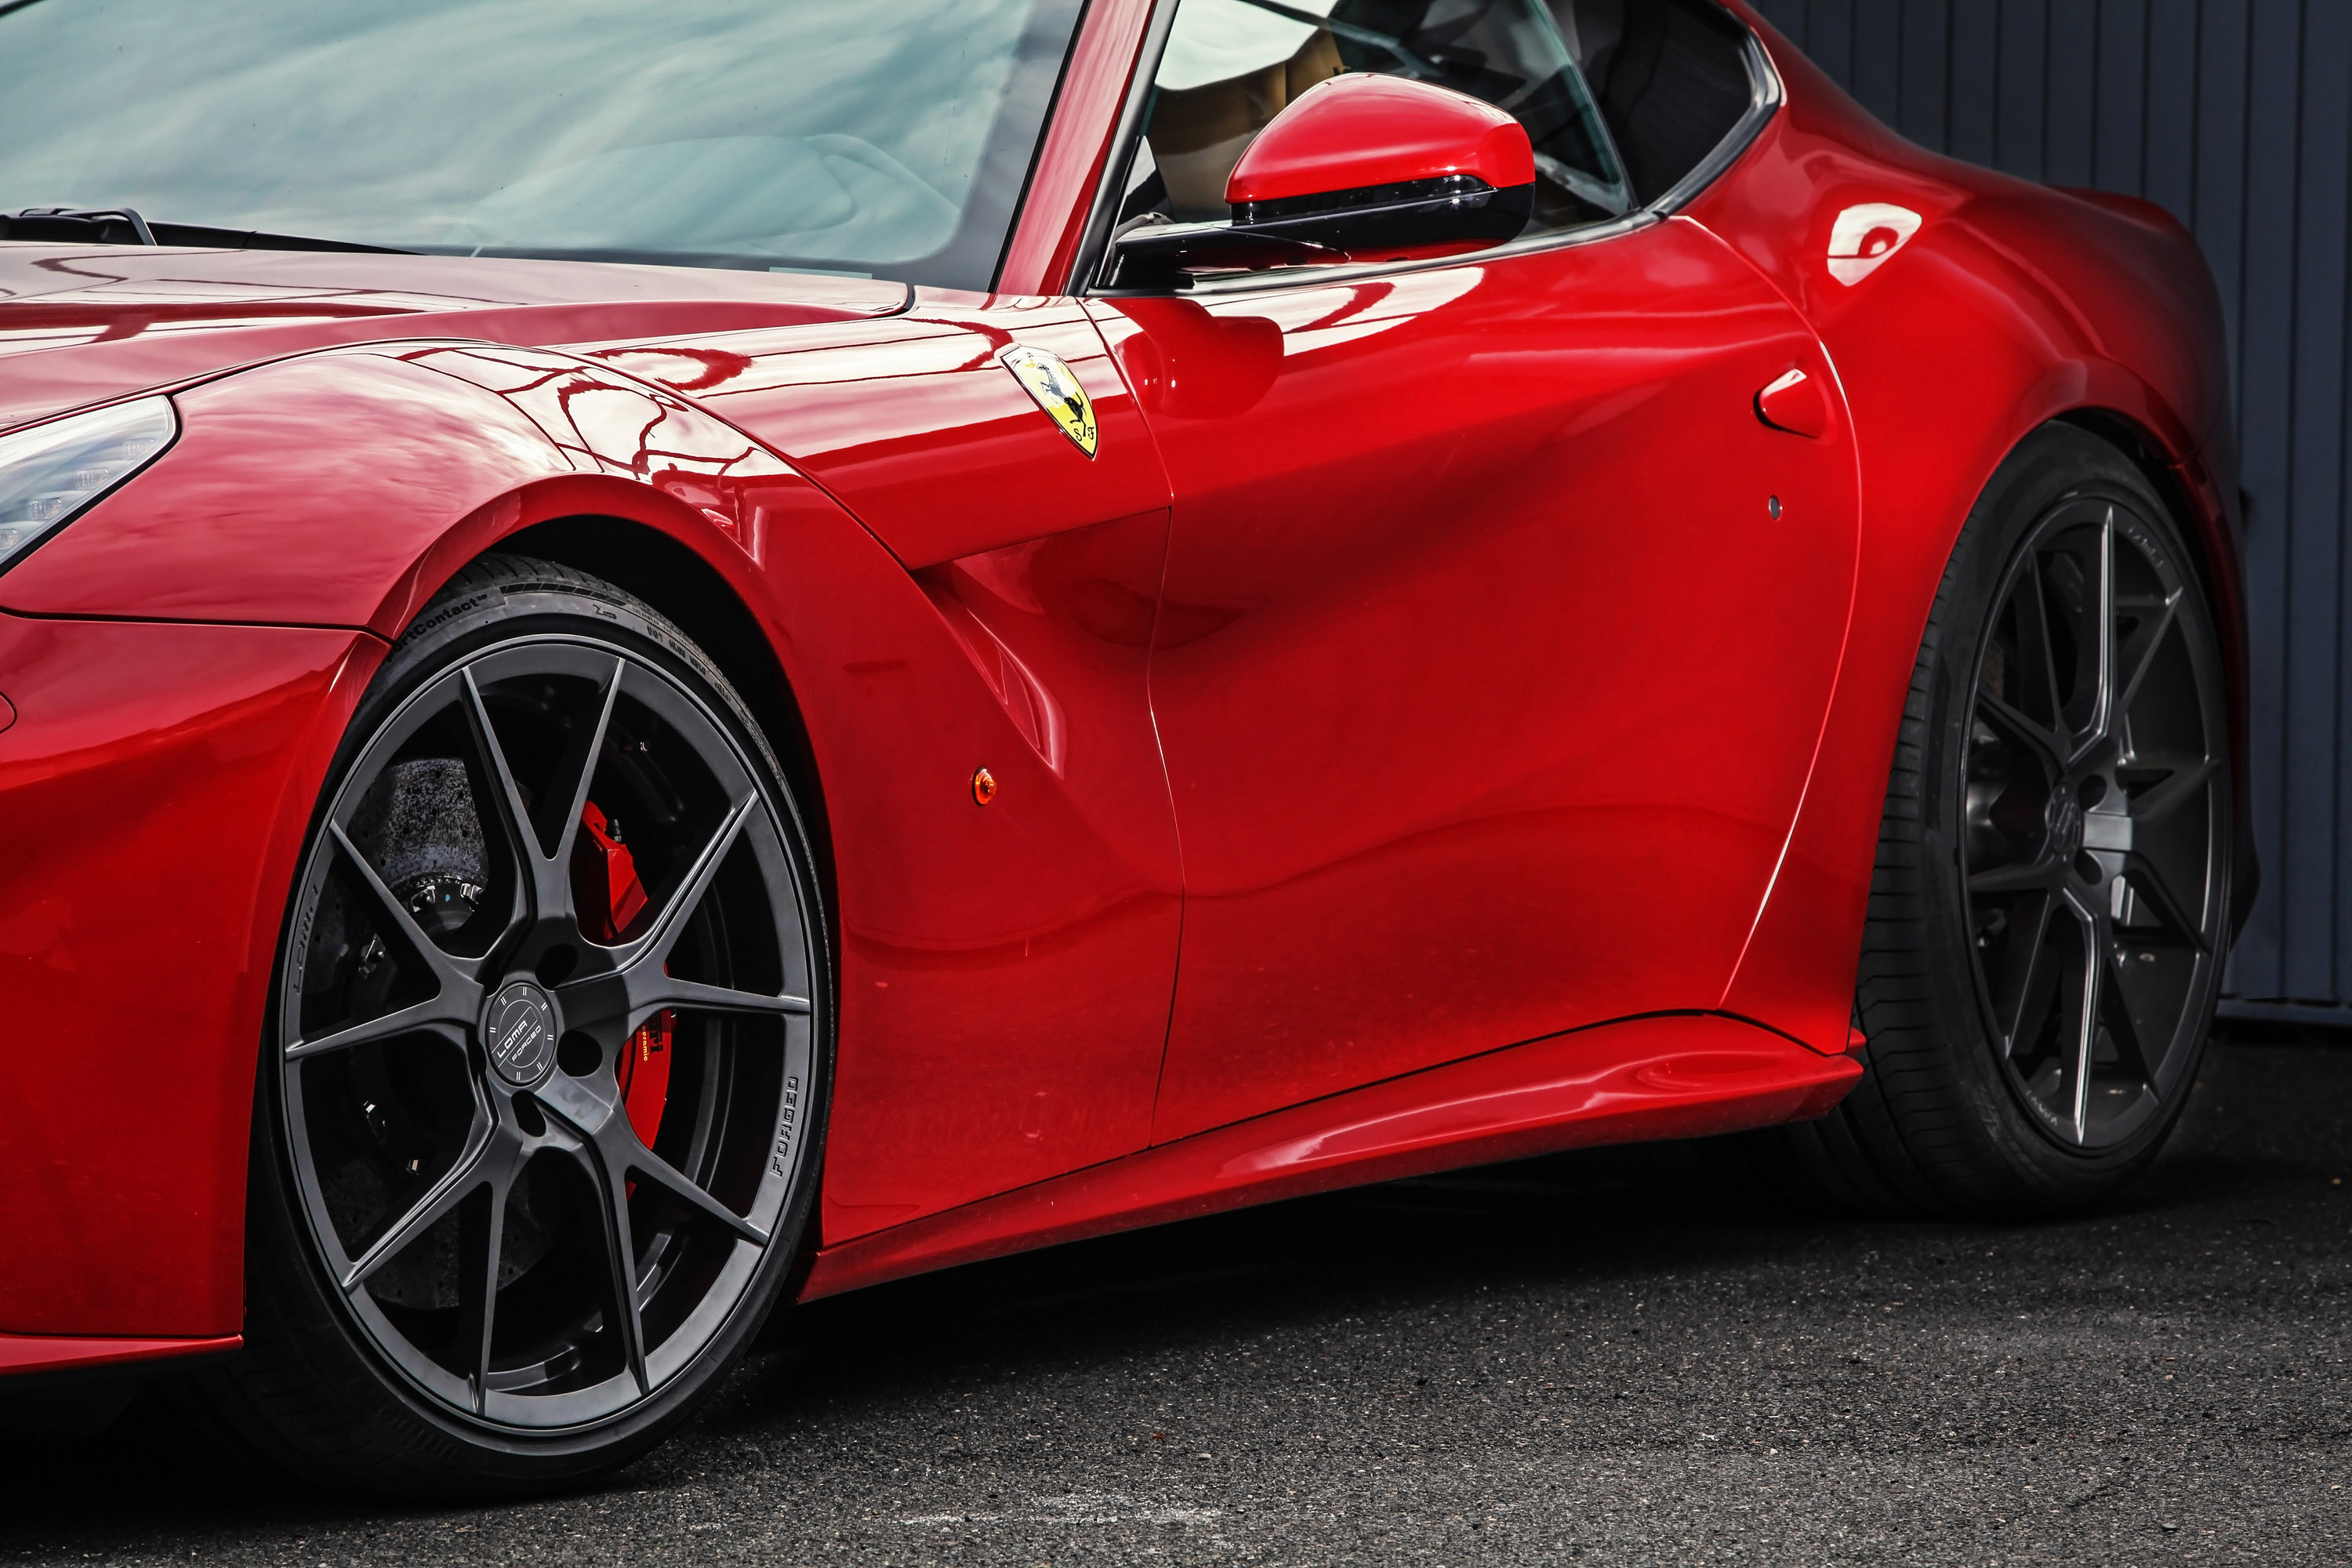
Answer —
(2233, 113)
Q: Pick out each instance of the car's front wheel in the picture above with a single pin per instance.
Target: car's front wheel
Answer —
(539, 1117)
(2051, 907)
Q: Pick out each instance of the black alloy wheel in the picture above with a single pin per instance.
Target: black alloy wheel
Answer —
(548, 1055)
(2052, 905)
(2092, 839)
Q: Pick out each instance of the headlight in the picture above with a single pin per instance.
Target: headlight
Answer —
(50, 473)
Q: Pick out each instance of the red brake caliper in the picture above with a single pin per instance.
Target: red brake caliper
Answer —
(611, 896)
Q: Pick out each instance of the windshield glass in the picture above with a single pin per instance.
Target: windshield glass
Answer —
(889, 138)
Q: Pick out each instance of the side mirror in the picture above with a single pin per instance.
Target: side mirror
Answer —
(1357, 168)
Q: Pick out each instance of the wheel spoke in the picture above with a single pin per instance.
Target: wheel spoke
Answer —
(471, 1168)
(2146, 641)
(547, 873)
(667, 992)
(2033, 875)
(2011, 720)
(2154, 805)
(578, 1106)
(675, 1184)
(2020, 974)
(595, 1125)
(2146, 877)
(620, 1153)
(655, 946)
(456, 995)
(481, 1221)
(451, 972)
(2085, 1009)
(2103, 641)
(566, 796)
(2035, 644)
(620, 1248)
(435, 1015)
(2122, 1027)
(616, 1000)
(513, 812)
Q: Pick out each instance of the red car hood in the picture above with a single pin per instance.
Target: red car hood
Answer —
(80, 324)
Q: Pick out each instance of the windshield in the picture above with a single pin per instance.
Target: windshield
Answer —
(885, 138)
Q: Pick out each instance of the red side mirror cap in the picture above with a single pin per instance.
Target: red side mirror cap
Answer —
(1359, 131)
(1357, 168)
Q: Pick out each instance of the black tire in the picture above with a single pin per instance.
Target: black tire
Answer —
(2037, 852)
(450, 1369)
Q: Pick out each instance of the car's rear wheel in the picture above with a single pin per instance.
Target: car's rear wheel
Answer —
(2051, 907)
(539, 1113)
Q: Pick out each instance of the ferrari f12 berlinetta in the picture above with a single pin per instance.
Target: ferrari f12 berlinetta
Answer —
(659, 659)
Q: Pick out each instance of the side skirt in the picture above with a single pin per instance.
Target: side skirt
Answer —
(25, 1354)
(55, 1387)
(1682, 1075)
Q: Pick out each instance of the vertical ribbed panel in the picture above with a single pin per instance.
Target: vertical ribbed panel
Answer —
(2237, 115)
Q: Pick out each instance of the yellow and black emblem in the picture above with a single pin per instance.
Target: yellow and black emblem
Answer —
(1056, 387)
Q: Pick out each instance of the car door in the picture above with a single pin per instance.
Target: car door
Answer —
(1496, 633)
(1008, 943)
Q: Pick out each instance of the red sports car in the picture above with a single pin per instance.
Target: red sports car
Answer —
(665, 659)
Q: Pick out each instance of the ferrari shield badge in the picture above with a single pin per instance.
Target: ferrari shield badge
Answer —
(1056, 387)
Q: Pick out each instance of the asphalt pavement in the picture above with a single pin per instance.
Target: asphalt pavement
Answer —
(1621, 1356)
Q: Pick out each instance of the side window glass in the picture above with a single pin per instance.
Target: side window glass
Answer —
(1232, 65)
(1670, 77)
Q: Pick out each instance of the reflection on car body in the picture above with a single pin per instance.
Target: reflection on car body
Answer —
(813, 642)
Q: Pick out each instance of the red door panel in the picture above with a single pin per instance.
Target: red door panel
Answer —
(1489, 679)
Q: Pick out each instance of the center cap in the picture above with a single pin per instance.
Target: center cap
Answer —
(518, 1031)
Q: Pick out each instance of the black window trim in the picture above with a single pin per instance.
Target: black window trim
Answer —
(1766, 95)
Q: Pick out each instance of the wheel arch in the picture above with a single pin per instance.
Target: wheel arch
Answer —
(1790, 973)
(414, 459)
(676, 579)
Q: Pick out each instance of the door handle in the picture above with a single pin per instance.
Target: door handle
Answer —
(1795, 404)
